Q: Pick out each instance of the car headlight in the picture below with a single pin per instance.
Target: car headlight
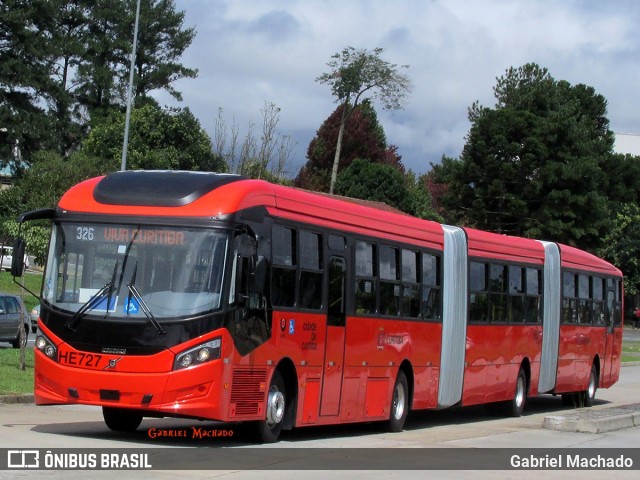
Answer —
(47, 347)
(199, 354)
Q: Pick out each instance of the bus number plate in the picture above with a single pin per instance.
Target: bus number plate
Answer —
(80, 359)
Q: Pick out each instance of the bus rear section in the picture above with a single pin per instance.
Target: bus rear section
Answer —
(590, 327)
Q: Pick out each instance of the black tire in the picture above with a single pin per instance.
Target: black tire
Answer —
(588, 396)
(569, 400)
(399, 403)
(516, 405)
(16, 342)
(268, 430)
(121, 419)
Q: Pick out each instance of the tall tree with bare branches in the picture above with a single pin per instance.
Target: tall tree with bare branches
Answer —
(356, 74)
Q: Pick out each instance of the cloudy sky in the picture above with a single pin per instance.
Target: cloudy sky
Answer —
(249, 52)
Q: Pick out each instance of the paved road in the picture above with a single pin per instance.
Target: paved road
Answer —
(27, 426)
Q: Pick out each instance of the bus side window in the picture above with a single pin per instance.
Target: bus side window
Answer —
(478, 296)
(534, 296)
(498, 293)
(431, 291)
(598, 301)
(584, 299)
(283, 272)
(569, 298)
(516, 295)
(365, 291)
(410, 300)
(617, 316)
(311, 265)
(388, 266)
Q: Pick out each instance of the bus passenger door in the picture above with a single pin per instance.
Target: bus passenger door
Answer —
(609, 334)
(333, 368)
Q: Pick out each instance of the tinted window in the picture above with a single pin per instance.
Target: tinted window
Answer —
(388, 263)
(409, 266)
(533, 282)
(515, 280)
(497, 278)
(430, 270)
(364, 259)
(477, 277)
(283, 246)
(310, 250)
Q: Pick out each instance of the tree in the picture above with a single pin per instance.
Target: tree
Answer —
(421, 201)
(66, 63)
(622, 180)
(159, 139)
(355, 73)
(24, 80)
(68, 30)
(363, 138)
(46, 180)
(103, 74)
(42, 186)
(620, 246)
(384, 183)
(533, 165)
(162, 41)
(376, 182)
(263, 157)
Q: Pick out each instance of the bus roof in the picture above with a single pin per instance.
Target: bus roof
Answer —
(504, 247)
(194, 194)
(208, 195)
(574, 258)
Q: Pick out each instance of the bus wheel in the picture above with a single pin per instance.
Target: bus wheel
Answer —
(270, 428)
(569, 400)
(588, 396)
(399, 403)
(121, 419)
(516, 406)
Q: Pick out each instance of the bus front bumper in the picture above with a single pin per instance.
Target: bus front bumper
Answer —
(192, 392)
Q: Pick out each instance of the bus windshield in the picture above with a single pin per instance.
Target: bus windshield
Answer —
(122, 271)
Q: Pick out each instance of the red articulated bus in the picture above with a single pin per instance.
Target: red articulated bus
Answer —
(213, 296)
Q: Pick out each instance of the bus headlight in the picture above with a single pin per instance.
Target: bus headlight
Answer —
(199, 354)
(47, 347)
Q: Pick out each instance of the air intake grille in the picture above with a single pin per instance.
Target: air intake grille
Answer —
(248, 391)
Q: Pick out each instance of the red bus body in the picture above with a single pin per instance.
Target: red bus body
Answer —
(457, 312)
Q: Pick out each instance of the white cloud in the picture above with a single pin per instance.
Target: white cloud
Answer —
(252, 51)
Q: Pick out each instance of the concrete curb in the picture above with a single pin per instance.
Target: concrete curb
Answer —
(15, 398)
(587, 420)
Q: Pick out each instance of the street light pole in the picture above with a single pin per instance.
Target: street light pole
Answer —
(125, 144)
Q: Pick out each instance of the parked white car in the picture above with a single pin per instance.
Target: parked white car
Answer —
(7, 257)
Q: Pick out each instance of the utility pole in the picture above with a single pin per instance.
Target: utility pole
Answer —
(125, 144)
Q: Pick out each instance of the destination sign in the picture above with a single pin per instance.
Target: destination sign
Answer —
(122, 235)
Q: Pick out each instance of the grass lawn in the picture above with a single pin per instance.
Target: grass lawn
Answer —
(12, 379)
(631, 352)
(32, 281)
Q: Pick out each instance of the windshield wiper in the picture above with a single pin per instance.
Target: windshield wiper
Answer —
(94, 301)
(133, 291)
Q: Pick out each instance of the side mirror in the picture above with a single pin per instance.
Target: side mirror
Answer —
(17, 262)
